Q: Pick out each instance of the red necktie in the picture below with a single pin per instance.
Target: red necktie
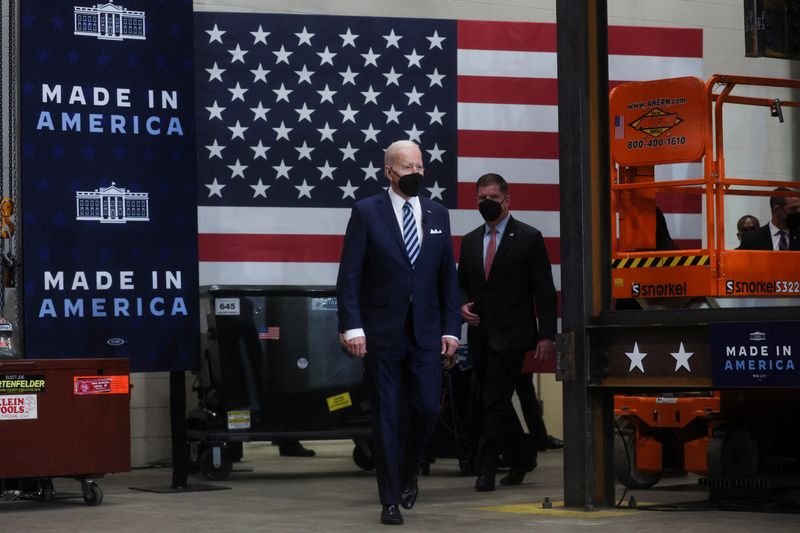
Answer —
(783, 244)
(490, 251)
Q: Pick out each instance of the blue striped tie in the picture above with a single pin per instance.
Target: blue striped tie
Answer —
(410, 237)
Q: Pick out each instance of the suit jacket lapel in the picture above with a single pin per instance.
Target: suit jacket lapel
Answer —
(391, 221)
(505, 244)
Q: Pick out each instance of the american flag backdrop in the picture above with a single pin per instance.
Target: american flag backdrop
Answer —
(294, 112)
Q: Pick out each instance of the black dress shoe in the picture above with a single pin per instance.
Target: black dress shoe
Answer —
(484, 483)
(409, 495)
(390, 514)
(514, 477)
(295, 449)
(554, 443)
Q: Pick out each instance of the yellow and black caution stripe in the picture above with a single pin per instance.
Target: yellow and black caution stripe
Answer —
(650, 262)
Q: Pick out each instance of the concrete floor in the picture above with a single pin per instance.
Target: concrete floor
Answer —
(328, 493)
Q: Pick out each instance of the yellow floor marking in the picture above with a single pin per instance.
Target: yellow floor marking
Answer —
(557, 510)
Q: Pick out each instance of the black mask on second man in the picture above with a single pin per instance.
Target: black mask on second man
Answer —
(409, 184)
(490, 210)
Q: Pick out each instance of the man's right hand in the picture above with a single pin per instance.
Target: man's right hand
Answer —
(357, 346)
(469, 317)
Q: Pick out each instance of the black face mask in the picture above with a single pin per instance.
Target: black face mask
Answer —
(793, 220)
(490, 210)
(409, 184)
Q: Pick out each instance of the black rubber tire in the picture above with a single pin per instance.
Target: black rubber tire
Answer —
(732, 453)
(211, 472)
(363, 460)
(92, 494)
(625, 462)
(46, 491)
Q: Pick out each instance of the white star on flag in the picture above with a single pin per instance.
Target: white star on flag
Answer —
(436, 41)
(326, 95)
(348, 39)
(259, 74)
(370, 58)
(215, 150)
(259, 150)
(237, 169)
(304, 190)
(259, 189)
(237, 54)
(215, 73)
(237, 131)
(259, 112)
(435, 153)
(348, 190)
(436, 191)
(414, 59)
(326, 57)
(326, 170)
(215, 34)
(304, 37)
(259, 36)
(326, 132)
(436, 78)
(214, 189)
(636, 358)
(215, 111)
(682, 358)
(392, 39)
(282, 170)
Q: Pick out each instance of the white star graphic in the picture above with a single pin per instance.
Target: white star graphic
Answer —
(259, 112)
(259, 189)
(259, 150)
(392, 115)
(414, 133)
(282, 170)
(214, 188)
(435, 153)
(370, 172)
(237, 130)
(636, 358)
(260, 74)
(304, 151)
(436, 78)
(304, 190)
(282, 131)
(326, 95)
(436, 41)
(370, 134)
(348, 152)
(327, 132)
(215, 73)
(370, 95)
(259, 36)
(215, 111)
(237, 169)
(348, 190)
(370, 58)
(348, 38)
(682, 358)
(304, 75)
(282, 93)
(304, 112)
(304, 37)
(414, 96)
(392, 39)
(436, 115)
(282, 55)
(392, 77)
(348, 76)
(414, 58)
(348, 114)
(215, 34)
(215, 150)
(436, 191)
(237, 93)
(326, 57)
(237, 54)
(327, 171)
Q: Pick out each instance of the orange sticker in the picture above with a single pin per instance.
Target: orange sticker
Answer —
(101, 385)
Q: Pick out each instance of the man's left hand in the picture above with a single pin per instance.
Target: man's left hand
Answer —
(449, 346)
(545, 349)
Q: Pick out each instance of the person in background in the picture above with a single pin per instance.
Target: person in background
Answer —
(745, 224)
(506, 284)
(293, 448)
(398, 309)
(532, 413)
(777, 234)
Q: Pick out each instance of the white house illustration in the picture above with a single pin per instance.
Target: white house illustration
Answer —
(114, 205)
(110, 21)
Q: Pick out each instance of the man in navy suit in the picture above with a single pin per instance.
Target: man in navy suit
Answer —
(775, 234)
(506, 284)
(399, 310)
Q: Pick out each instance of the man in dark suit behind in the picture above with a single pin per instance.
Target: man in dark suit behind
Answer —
(506, 282)
(777, 233)
(398, 309)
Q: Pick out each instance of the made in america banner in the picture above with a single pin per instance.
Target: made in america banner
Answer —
(108, 181)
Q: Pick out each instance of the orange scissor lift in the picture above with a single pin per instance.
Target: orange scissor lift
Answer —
(663, 122)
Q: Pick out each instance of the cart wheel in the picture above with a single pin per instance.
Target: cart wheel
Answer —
(92, 493)
(363, 459)
(625, 462)
(212, 472)
(46, 490)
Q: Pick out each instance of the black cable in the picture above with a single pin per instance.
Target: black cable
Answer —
(627, 455)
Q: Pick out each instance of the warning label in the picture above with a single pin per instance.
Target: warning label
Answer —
(238, 419)
(21, 383)
(340, 401)
(101, 385)
(18, 407)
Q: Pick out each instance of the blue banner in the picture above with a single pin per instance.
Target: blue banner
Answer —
(755, 354)
(108, 182)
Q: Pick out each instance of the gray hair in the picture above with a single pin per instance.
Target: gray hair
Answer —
(388, 156)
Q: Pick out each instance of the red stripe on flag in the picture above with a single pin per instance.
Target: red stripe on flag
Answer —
(513, 36)
(667, 42)
(269, 248)
(677, 202)
(497, 90)
(515, 144)
(524, 196)
(553, 245)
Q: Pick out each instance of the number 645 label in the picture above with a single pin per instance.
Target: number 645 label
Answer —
(226, 306)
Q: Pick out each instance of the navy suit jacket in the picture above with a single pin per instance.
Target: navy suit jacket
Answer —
(761, 239)
(377, 283)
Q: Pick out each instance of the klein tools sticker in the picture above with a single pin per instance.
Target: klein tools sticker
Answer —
(18, 407)
(100, 385)
(656, 122)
